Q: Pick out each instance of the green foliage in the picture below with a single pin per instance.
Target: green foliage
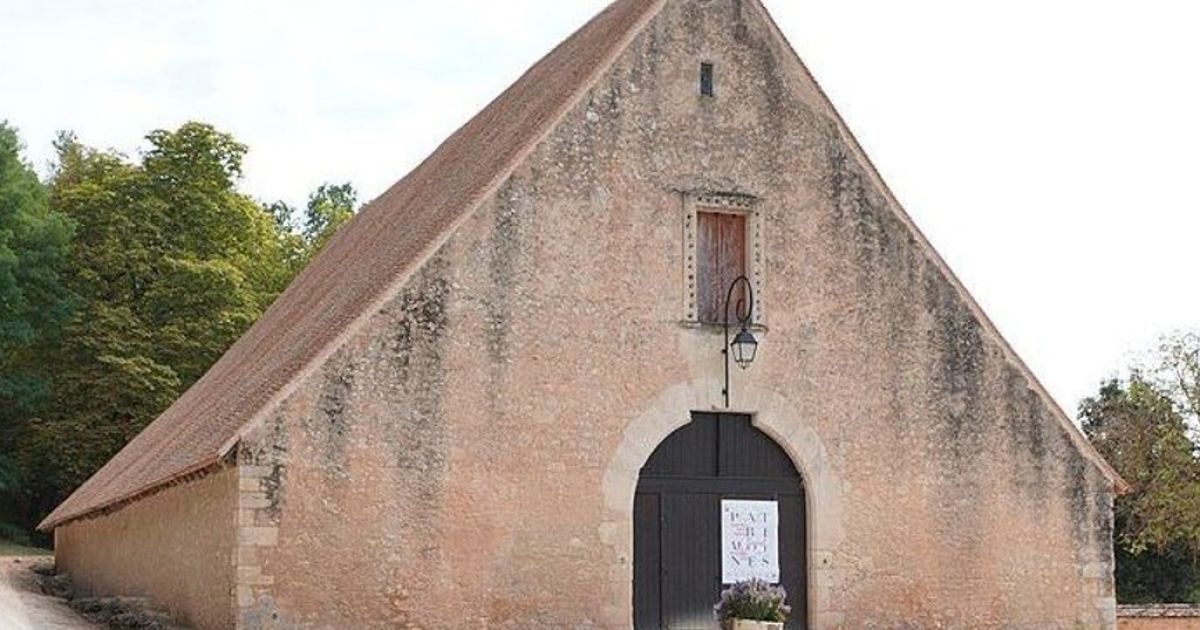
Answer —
(328, 209)
(1169, 575)
(1178, 374)
(18, 546)
(1144, 426)
(33, 242)
(13, 535)
(33, 300)
(8, 474)
(34, 303)
(169, 264)
(306, 232)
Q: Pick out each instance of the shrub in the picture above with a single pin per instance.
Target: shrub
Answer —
(14, 534)
(753, 600)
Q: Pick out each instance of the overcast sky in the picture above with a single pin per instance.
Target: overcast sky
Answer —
(1046, 147)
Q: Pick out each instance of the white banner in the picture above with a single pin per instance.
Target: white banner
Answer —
(749, 541)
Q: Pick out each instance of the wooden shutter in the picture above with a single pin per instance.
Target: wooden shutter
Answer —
(720, 259)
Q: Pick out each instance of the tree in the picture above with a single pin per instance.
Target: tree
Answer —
(33, 247)
(171, 264)
(1144, 426)
(34, 302)
(328, 209)
(103, 327)
(1178, 374)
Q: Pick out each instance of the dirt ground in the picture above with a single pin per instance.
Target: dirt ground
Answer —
(24, 607)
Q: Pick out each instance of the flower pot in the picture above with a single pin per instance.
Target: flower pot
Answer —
(744, 624)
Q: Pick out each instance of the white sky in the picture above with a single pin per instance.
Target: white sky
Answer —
(1046, 147)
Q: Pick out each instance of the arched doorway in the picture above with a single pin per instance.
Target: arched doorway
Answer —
(715, 462)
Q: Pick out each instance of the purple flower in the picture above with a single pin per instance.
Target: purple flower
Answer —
(753, 600)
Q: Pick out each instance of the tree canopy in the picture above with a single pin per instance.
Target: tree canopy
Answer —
(1145, 425)
(33, 246)
(34, 302)
(121, 282)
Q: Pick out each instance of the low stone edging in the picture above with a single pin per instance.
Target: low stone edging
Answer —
(1158, 617)
(1159, 611)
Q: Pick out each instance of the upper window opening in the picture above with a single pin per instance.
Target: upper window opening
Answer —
(720, 259)
(706, 79)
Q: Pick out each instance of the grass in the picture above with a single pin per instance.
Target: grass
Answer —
(13, 549)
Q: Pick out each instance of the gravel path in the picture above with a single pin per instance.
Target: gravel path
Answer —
(23, 607)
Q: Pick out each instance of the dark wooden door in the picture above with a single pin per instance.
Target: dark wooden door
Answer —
(677, 520)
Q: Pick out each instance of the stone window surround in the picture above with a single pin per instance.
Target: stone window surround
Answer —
(731, 203)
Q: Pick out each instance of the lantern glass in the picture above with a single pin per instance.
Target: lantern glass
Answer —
(744, 347)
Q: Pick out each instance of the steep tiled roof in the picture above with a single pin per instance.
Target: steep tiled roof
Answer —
(358, 269)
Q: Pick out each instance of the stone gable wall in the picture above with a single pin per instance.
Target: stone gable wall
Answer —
(467, 458)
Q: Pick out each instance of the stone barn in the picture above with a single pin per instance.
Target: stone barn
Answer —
(505, 395)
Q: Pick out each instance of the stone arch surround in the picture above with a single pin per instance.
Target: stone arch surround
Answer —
(772, 414)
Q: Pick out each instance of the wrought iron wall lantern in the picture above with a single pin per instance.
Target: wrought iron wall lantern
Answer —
(744, 346)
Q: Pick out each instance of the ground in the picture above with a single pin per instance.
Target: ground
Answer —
(24, 607)
(13, 549)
